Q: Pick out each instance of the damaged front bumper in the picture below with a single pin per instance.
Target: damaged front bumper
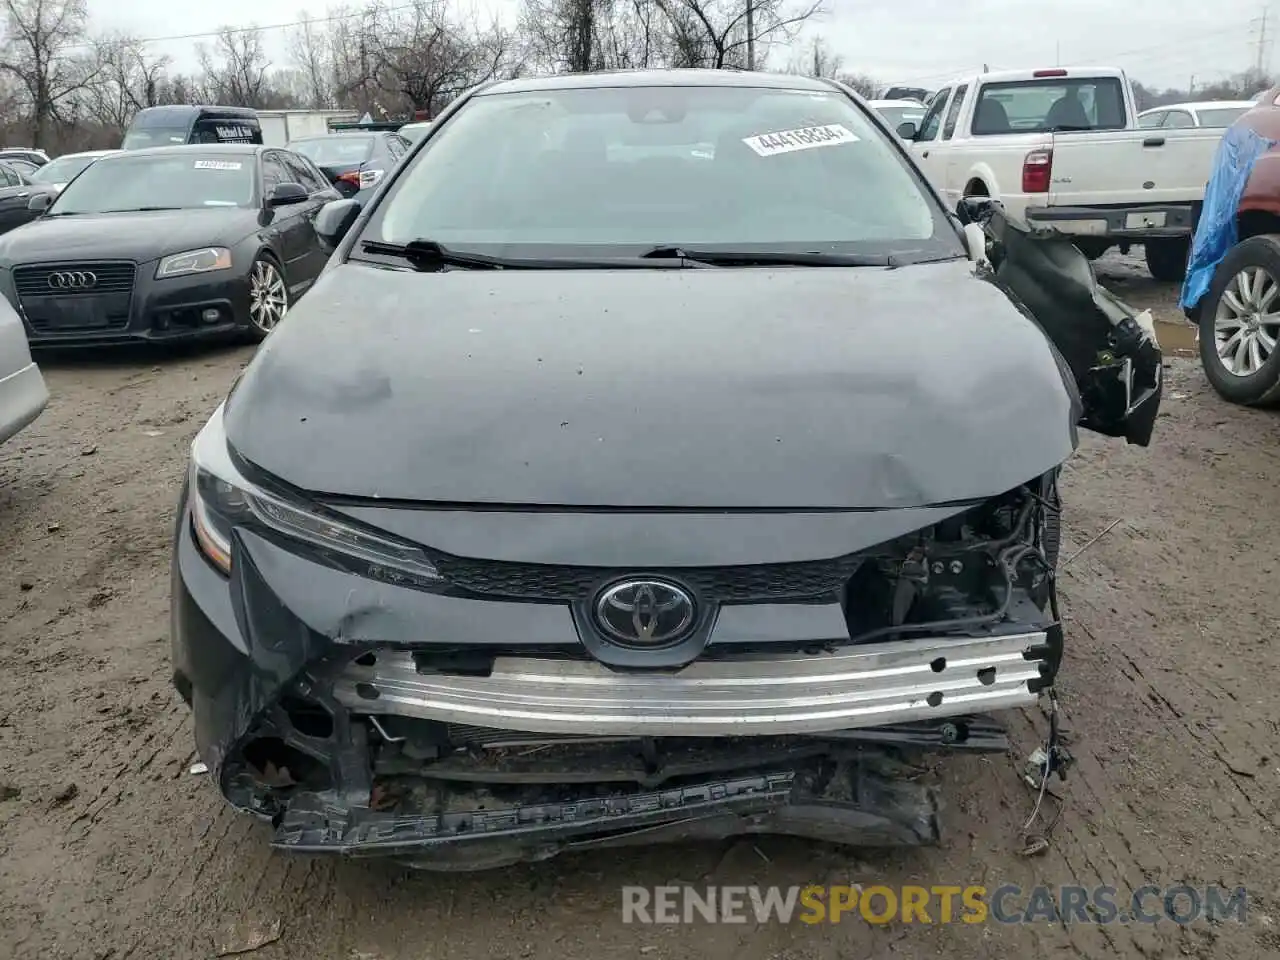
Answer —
(373, 719)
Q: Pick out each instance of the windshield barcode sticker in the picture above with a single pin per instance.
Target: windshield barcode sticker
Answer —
(805, 138)
(217, 165)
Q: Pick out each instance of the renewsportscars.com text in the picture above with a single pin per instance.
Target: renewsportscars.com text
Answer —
(940, 903)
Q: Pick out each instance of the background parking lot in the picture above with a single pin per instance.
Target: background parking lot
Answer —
(110, 848)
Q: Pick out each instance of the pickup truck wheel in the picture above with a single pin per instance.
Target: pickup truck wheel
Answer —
(1240, 324)
(1167, 259)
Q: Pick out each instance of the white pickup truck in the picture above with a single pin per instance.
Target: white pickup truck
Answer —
(1061, 148)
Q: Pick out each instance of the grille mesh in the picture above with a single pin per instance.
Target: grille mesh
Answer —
(757, 583)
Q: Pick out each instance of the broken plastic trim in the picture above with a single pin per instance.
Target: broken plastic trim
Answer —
(1116, 364)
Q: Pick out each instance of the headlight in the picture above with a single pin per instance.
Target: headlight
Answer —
(194, 261)
(222, 499)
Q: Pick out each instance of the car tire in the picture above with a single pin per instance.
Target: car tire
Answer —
(269, 300)
(1167, 259)
(1236, 327)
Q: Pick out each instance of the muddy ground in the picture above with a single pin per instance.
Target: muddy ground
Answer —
(110, 848)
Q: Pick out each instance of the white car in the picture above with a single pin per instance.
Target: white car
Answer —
(898, 112)
(23, 394)
(58, 173)
(413, 132)
(1207, 113)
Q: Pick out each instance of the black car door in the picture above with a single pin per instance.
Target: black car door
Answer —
(321, 191)
(289, 223)
(15, 193)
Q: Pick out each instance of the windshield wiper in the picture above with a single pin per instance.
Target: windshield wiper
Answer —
(428, 255)
(748, 258)
(140, 209)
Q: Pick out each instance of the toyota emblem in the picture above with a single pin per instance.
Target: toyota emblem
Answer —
(73, 280)
(644, 613)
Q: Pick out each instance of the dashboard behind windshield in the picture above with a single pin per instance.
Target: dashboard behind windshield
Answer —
(187, 179)
(610, 171)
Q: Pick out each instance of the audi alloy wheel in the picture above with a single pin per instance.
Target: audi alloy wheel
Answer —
(268, 296)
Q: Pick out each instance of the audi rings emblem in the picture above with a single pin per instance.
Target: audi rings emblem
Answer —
(645, 613)
(73, 280)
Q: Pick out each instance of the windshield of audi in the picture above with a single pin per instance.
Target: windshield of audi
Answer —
(183, 179)
(621, 171)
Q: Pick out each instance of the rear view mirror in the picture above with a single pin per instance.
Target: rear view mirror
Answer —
(39, 203)
(334, 220)
(907, 130)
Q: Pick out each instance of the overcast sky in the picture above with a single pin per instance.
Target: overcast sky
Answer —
(1160, 42)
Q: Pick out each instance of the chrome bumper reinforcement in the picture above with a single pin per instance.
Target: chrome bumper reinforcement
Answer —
(925, 679)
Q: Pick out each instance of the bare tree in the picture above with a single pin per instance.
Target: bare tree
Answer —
(236, 68)
(38, 54)
(127, 80)
(311, 49)
(426, 58)
(720, 33)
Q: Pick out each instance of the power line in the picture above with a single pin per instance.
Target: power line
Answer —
(210, 34)
(1261, 42)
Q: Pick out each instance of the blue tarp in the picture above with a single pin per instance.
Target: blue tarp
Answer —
(1216, 232)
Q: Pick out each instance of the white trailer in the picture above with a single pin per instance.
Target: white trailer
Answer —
(281, 126)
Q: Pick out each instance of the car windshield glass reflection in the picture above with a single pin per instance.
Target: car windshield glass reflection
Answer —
(61, 170)
(184, 180)
(155, 137)
(333, 151)
(618, 171)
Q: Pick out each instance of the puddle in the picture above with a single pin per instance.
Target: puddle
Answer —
(1177, 339)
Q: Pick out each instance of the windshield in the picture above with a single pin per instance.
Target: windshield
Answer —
(413, 132)
(616, 171)
(896, 116)
(335, 151)
(1221, 116)
(61, 170)
(185, 179)
(155, 137)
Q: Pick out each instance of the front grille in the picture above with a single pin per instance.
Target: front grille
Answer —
(102, 305)
(757, 583)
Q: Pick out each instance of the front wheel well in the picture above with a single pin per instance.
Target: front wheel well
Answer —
(1254, 223)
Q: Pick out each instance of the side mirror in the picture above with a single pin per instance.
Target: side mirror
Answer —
(334, 220)
(973, 210)
(39, 203)
(907, 130)
(284, 194)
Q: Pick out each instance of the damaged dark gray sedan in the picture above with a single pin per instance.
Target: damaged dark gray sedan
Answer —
(655, 459)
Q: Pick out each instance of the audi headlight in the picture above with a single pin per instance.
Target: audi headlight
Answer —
(222, 499)
(205, 260)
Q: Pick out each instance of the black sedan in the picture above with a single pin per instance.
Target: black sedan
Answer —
(354, 162)
(655, 459)
(166, 244)
(16, 190)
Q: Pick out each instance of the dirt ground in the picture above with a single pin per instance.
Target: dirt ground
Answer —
(109, 848)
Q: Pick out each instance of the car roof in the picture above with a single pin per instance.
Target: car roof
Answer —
(658, 78)
(229, 149)
(1201, 105)
(896, 103)
(88, 153)
(341, 135)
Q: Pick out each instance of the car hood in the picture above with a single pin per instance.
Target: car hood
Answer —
(134, 236)
(841, 388)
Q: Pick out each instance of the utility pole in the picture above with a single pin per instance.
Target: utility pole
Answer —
(751, 34)
(1261, 42)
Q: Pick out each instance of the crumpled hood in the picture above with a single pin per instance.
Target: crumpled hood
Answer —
(134, 236)
(844, 388)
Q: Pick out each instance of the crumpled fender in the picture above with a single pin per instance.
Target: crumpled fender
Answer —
(1217, 231)
(1115, 362)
